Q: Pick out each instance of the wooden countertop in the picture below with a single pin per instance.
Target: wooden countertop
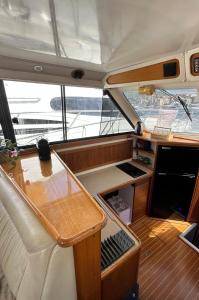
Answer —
(56, 196)
(111, 178)
(175, 141)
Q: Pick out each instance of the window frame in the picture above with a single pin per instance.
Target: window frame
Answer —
(7, 121)
(5, 116)
(184, 134)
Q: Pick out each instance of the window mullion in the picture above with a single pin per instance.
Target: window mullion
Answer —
(5, 117)
(63, 100)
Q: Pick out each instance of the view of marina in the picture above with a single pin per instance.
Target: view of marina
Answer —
(162, 110)
(36, 112)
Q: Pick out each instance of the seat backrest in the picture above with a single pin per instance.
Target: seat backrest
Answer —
(35, 267)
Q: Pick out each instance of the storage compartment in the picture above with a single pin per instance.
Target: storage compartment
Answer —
(191, 237)
(121, 201)
(144, 152)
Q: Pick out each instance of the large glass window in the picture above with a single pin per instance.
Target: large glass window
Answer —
(38, 111)
(31, 111)
(163, 110)
(89, 113)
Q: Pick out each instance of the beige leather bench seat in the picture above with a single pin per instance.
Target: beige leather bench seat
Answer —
(5, 292)
(31, 263)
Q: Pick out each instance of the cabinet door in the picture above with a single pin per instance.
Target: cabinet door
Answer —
(194, 207)
(172, 193)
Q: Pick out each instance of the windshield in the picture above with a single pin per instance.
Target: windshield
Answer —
(163, 110)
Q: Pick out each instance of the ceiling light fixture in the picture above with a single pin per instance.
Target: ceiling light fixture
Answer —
(38, 68)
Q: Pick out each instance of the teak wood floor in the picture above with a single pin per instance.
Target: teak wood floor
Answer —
(169, 269)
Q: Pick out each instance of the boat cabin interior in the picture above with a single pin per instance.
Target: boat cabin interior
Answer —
(99, 150)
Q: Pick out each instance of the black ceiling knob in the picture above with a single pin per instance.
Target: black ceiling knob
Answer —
(15, 120)
(77, 74)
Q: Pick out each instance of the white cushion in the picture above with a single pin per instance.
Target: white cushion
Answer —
(34, 266)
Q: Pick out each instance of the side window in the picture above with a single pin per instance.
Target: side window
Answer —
(1, 133)
(89, 113)
(31, 111)
(160, 109)
(83, 112)
(112, 119)
(41, 111)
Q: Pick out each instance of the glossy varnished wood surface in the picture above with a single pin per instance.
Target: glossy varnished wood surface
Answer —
(62, 204)
(93, 156)
(151, 72)
(174, 141)
(169, 269)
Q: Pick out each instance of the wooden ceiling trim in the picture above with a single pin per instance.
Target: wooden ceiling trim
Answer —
(147, 73)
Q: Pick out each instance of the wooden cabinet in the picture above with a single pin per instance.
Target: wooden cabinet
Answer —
(135, 196)
(119, 282)
(120, 278)
(141, 199)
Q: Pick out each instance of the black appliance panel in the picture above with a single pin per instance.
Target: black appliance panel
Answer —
(172, 193)
(130, 170)
(177, 160)
(174, 180)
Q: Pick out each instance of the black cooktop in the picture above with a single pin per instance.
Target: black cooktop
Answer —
(130, 170)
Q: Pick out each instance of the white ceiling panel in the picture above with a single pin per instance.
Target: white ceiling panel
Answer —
(110, 34)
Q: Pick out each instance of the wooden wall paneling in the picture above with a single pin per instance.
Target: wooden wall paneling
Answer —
(148, 73)
(90, 157)
(193, 215)
(87, 255)
(89, 141)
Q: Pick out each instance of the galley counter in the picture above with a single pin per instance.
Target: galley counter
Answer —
(100, 242)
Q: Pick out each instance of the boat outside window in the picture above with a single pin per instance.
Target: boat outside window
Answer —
(39, 111)
(89, 113)
(162, 110)
(33, 117)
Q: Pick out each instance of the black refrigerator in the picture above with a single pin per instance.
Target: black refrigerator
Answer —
(174, 181)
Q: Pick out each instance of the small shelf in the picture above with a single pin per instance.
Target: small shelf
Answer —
(145, 152)
(148, 166)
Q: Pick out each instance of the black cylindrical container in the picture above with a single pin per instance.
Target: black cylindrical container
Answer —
(43, 149)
